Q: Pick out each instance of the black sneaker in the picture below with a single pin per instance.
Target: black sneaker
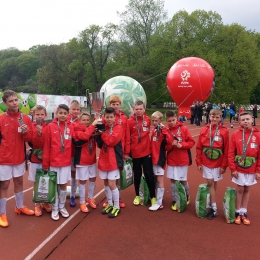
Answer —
(212, 214)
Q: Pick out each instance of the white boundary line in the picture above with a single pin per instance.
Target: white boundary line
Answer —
(14, 196)
(38, 248)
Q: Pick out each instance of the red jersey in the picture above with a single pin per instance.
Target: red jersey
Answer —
(139, 127)
(111, 152)
(85, 145)
(37, 143)
(12, 148)
(220, 142)
(57, 144)
(252, 150)
(180, 156)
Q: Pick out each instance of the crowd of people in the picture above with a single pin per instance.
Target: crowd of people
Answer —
(68, 146)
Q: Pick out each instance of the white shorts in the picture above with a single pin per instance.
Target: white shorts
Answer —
(158, 170)
(32, 170)
(63, 174)
(7, 172)
(245, 179)
(212, 173)
(177, 173)
(110, 175)
(83, 173)
(72, 165)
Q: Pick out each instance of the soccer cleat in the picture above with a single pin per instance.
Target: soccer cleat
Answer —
(136, 200)
(47, 207)
(38, 211)
(92, 203)
(3, 220)
(114, 213)
(237, 219)
(121, 204)
(83, 207)
(55, 215)
(212, 214)
(153, 201)
(64, 213)
(72, 201)
(245, 220)
(154, 207)
(24, 211)
(105, 204)
(107, 209)
(188, 199)
(174, 206)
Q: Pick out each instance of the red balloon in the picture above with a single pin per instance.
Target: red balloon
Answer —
(190, 79)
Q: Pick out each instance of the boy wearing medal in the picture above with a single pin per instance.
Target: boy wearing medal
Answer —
(57, 157)
(211, 155)
(15, 129)
(244, 163)
(139, 127)
(179, 156)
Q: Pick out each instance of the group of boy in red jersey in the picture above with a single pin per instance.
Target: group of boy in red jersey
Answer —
(68, 146)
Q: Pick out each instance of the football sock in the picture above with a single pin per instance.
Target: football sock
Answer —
(115, 196)
(109, 195)
(173, 191)
(91, 189)
(214, 206)
(73, 184)
(187, 189)
(82, 193)
(243, 211)
(62, 198)
(3, 206)
(55, 205)
(19, 199)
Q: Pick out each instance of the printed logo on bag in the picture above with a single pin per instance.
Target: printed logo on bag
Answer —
(43, 188)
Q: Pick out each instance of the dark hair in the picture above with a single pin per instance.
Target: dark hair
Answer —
(245, 113)
(8, 93)
(110, 110)
(139, 103)
(62, 106)
(170, 113)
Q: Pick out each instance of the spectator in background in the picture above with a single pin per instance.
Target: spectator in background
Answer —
(254, 113)
(209, 107)
(192, 113)
(232, 112)
(199, 112)
(215, 105)
(224, 112)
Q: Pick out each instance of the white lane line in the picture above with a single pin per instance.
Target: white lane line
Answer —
(38, 248)
(23, 191)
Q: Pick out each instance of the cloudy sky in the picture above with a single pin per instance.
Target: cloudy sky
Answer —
(25, 23)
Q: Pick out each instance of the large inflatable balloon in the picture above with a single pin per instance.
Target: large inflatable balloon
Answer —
(190, 79)
(128, 89)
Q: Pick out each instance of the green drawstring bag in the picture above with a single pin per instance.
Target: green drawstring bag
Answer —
(229, 204)
(45, 186)
(202, 202)
(126, 175)
(180, 196)
(144, 192)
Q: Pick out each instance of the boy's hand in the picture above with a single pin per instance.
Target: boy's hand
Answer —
(24, 128)
(234, 174)
(175, 142)
(39, 128)
(162, 125)
(125, 157)
(95, 122)
(222, 171)
(257, 176)
(200, 168)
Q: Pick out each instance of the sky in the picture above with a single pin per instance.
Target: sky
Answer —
(25, 23)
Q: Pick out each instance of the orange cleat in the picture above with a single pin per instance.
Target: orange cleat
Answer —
(121, 204)
(38, 211)
(105, 204)
(245, 220)
(24, 211)
(92, 203)
(3, 221)
(47, 207)
(83, 207)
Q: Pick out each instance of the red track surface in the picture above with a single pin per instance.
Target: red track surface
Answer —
(136, 233)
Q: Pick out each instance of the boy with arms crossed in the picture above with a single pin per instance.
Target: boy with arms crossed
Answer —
(211, 155)
(38, 127)
(110, 161)
(57, 157)
(139, 127)
(244, 163)
(179, 157)
(15, 129)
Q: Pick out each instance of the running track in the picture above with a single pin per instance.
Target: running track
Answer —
(136, 233)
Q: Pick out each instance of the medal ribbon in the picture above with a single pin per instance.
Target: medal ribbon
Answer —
(138, 128)
(211, 141)
(243, 142)
(62, 138)
(178, 132)
(110, 133)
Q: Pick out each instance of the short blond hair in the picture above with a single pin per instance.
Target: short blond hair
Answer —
(215, 111)
(83, 114)
(157, 114)
(39, 107)
(114, 99)
(74, 103)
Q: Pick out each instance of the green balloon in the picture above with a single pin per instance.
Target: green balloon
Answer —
(32, 100)
(3, 107)
(20, 101)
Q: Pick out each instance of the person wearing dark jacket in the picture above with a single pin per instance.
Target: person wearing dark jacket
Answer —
(209, 107)
(232, 107)
(192, 113)
(254, 113)
(199, 112)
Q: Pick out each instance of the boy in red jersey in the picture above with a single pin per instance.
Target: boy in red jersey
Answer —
(211, 155)
(244, 163)
(121, 119)
(139, 127)
(39, 126)
(74, 112)
(15, 129)
(85, 159)
(179, 157)
(110, 161)
(57, 157)
(159, 147)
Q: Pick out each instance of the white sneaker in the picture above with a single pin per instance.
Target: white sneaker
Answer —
(64, 213)
(55, 215)
(154, 207)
